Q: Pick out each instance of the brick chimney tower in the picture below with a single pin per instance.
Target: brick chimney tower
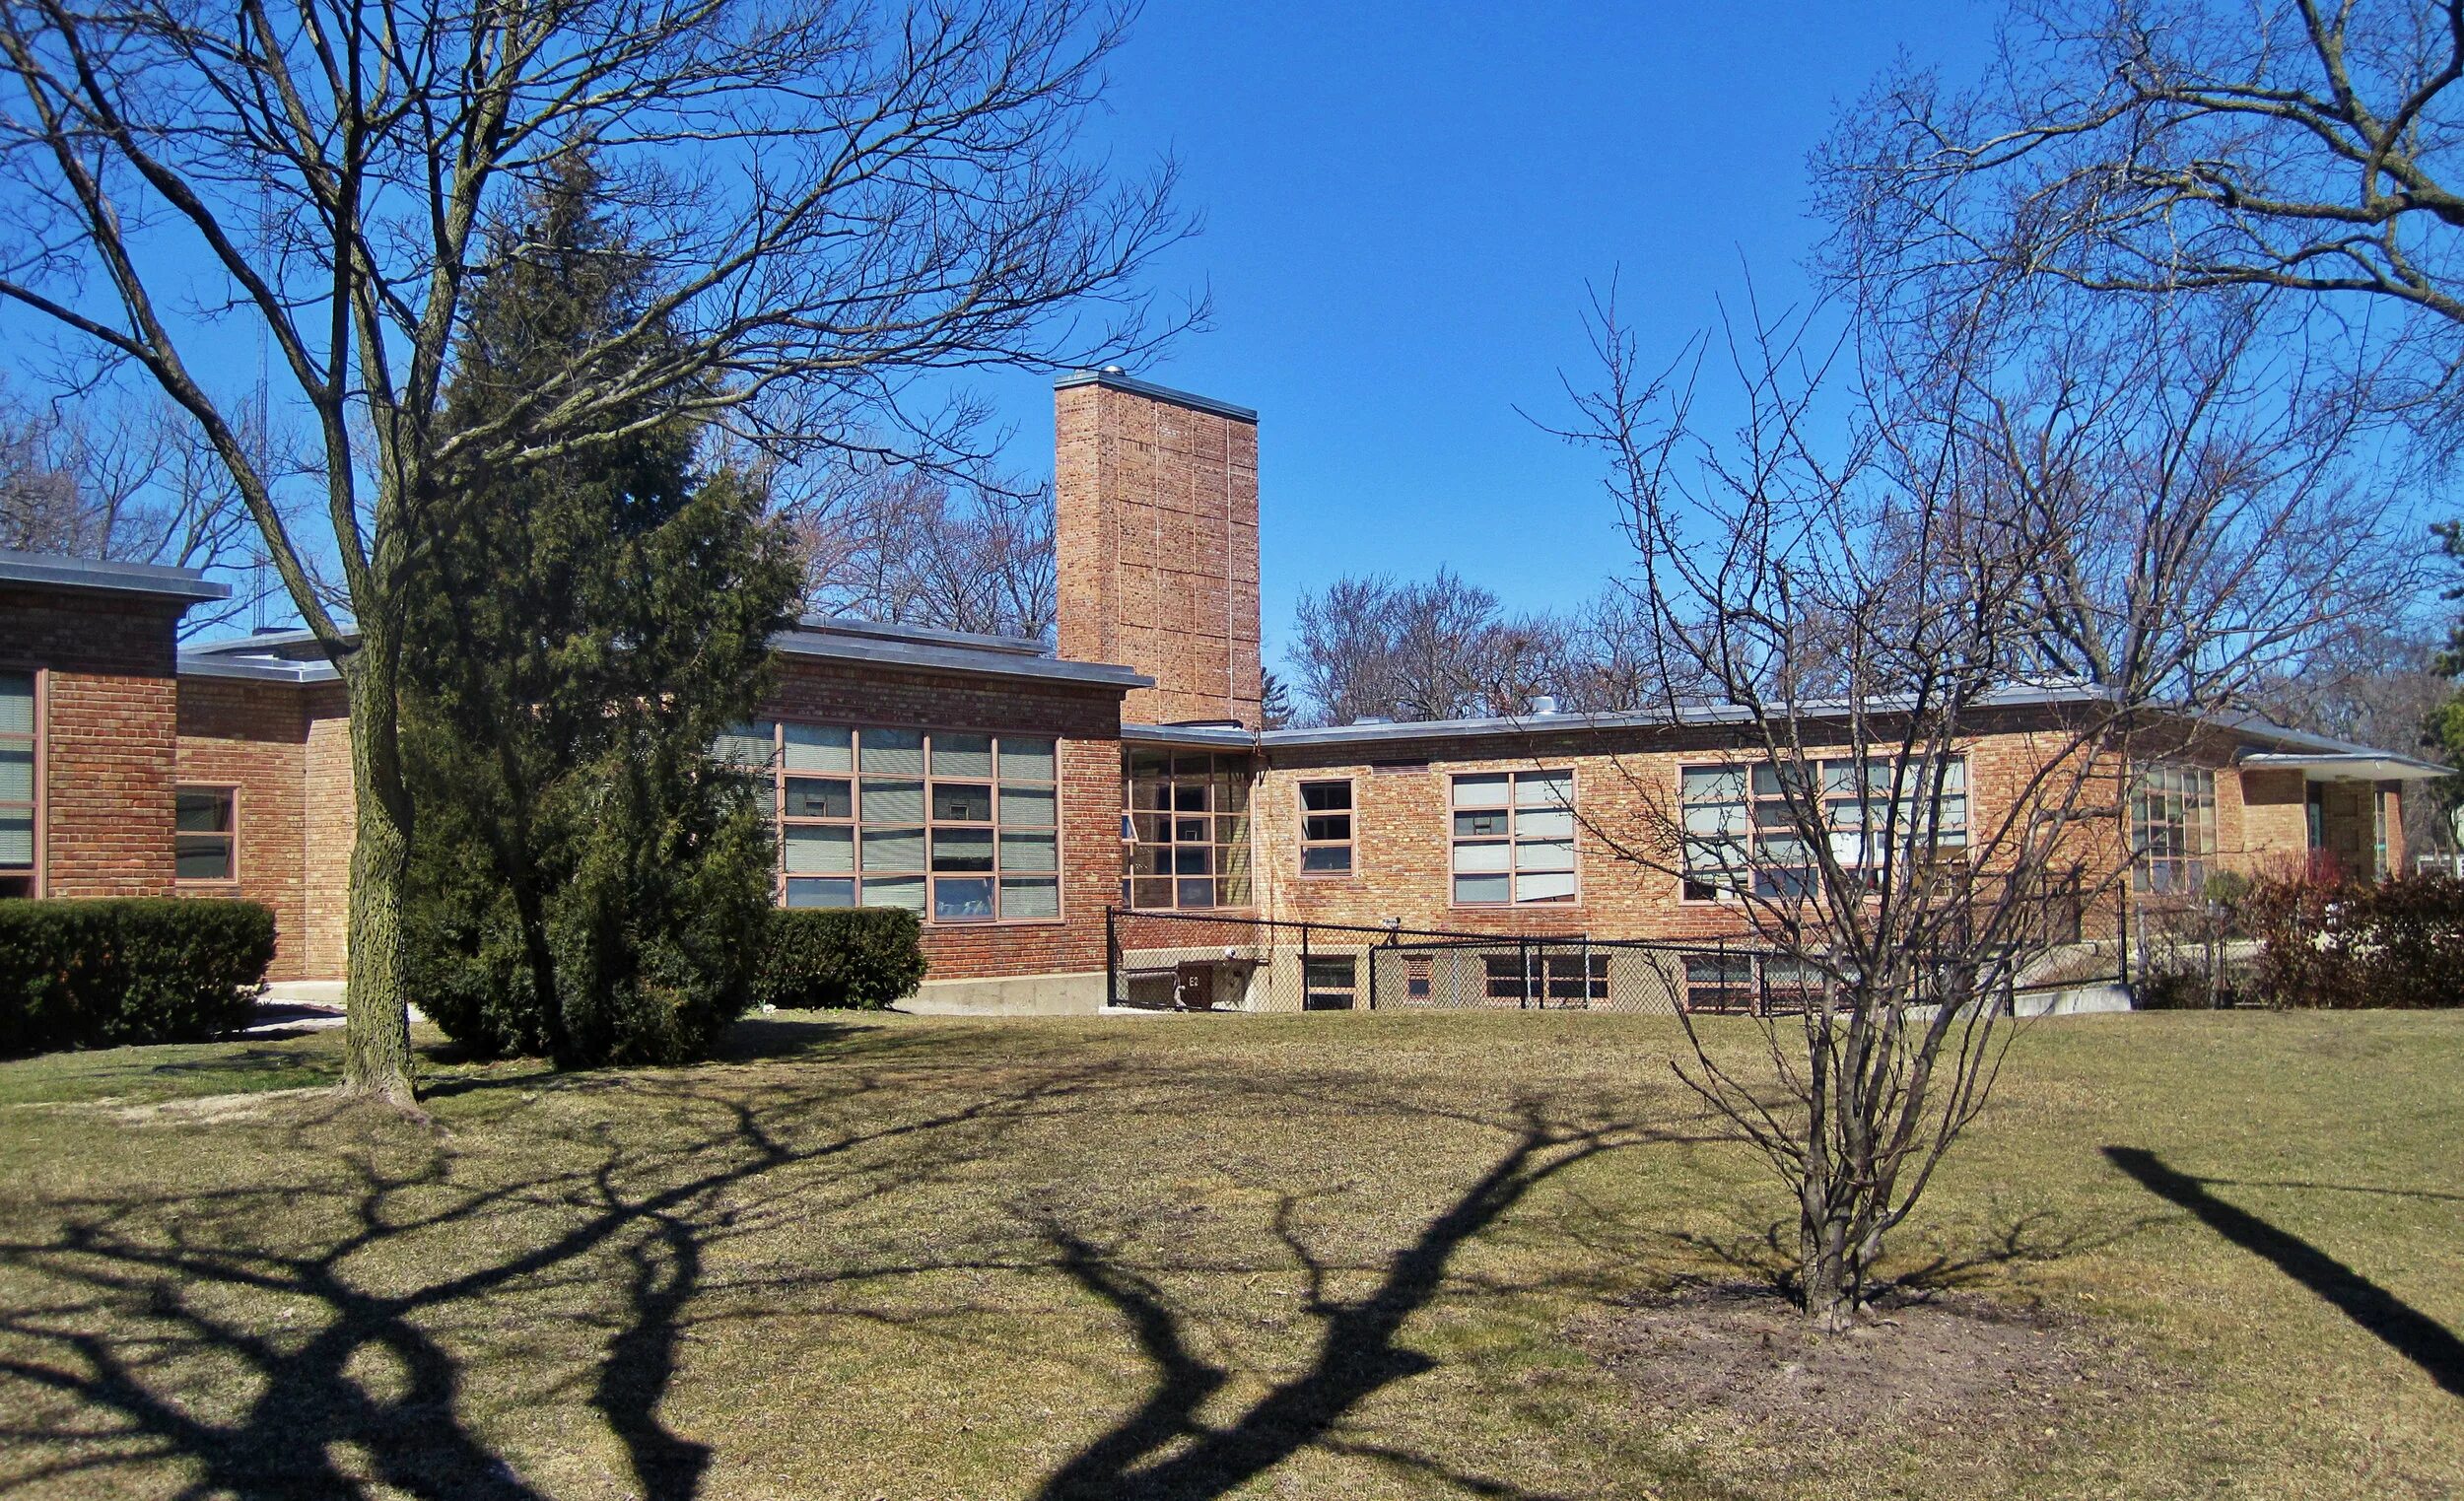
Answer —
(1155, 519)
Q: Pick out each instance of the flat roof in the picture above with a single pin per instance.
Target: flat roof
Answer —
(61, 571)
(1113, 377)
(939, 657)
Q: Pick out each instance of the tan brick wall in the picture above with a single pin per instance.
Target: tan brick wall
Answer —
(1625, 786)
(252, 738)
(1086, 722)
(1156, 510)
(326, 815)
(108, 733)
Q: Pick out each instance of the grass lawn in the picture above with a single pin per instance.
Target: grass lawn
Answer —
(1337, 1256)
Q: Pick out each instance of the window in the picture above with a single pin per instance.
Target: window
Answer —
(17, 784)
(2173, 814)
(1742, 984)
(205, 835)
(1325, 827)
(1416, 969)
(1186, 822)
(955, 826)
(1329, 984)
(1740, 835)
(1513, 837)
(1549, 977)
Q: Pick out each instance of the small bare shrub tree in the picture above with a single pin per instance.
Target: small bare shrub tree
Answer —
(2089, 535)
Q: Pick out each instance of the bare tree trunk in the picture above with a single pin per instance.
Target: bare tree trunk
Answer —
(376, 1045)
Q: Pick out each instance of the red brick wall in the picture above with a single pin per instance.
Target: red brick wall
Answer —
(109, 712)
(252, 738)
(1155, 512)
(1086, 722)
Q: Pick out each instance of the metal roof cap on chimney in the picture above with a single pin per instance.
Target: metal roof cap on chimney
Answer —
(1113, 377)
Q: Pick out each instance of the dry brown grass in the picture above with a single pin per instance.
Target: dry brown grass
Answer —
(1313, 1256)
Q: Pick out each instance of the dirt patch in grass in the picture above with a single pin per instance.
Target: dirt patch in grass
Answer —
(1734, 1366)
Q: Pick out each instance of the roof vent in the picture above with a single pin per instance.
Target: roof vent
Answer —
(1545, 703)
(1113, 370)
(1373, 719)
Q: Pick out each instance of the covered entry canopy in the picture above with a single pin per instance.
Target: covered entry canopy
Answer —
(2347, 766)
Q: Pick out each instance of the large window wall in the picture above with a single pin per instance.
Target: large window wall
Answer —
(1185, 827)
(1740, 836)
(2173, 815)
(17, 784)
(958, 826)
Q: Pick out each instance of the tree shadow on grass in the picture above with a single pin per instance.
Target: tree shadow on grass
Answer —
(2404, 1329)
(151, 1311)
(1164, 1449)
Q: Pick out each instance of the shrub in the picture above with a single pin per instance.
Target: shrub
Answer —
(2344, 945)
(864, 958)
(101, 974)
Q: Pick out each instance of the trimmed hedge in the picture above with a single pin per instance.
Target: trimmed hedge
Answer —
(2396, 943)
(104, 972)
(864, 957)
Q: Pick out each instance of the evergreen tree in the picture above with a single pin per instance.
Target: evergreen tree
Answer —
(585, 881)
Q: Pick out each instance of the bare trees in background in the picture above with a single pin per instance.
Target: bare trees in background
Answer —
(900, 543)
(1372, 648)
(834, 200)
(134, 487)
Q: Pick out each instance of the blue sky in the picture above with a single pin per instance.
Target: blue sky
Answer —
(1403, 205)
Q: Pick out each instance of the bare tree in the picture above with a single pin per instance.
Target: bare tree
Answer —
(134, 487)
(837, 198)
(901, 543)
(2125, 146)
(1900, 544)
(1441, 649)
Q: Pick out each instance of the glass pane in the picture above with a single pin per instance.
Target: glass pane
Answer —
(1152, 895)
(893, 849)
(1198, 892)
(17, 773)
(1194, 859)
(1231, 890)
(893, 751)
(955, 755)
(1474, 825)
(965, 802)
(820, 798)
(907, 891)
(1485, 792)
(1232, 793)
(1028, 851)
(1326, 859)
(1025, 760)
(1189, 797)
(1481, 856)
(810, 893)
(1481, 888)
(17, 837)
(1715, 818)
(1151, 859)
(968, 899)
(893, 802)
(746, 745)
(1714, 784)
(1544, 789)
(1325, 826)
(203, 858)
(204, 813)
(1032, 898)
(1544, 823)
(819, 850)
(1191, 831)
(1543, 855)
(17, 703)
(1544, 886)
(1325, 796)
(962, 850)
(1032, 807)
(820, 748)
(1148, 828)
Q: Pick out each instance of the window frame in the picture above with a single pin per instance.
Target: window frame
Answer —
(1752, 833)
(1348, 844)
(231, 792)
(2195, 855)
(1223, 854)
(38, 808)
(780, 774)
(1512, 838)
(1349, 989)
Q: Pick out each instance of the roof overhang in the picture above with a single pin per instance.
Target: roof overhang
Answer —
(2347, 766)
(1194, 736)
(52, 571)
(968, 661)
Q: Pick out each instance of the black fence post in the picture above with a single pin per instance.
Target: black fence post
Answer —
(1304, 966)
(1112, 958)
(1373, 976)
